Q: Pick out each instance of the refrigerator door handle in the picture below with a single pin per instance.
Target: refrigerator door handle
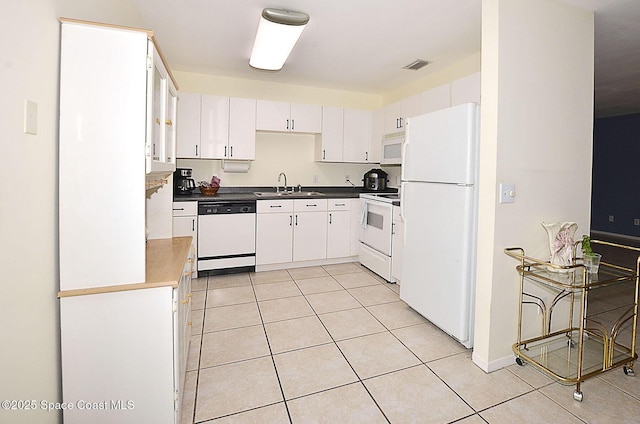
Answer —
(403, 214)
(403, 155)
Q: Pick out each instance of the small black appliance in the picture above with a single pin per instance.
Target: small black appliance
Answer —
(182, 181)
(375, 180)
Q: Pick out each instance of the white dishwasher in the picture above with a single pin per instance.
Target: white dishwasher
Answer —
(226, 236)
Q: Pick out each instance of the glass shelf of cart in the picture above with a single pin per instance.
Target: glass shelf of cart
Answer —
(575, 277)
(557, 355)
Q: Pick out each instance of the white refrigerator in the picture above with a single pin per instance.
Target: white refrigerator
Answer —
(439, 209)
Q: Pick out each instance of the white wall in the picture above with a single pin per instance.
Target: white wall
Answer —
(30, 354)
(536, 132)
(29, 358)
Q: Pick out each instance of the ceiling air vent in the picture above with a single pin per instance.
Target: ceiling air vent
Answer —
(416, 64)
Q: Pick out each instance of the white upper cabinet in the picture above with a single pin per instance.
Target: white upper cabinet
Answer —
(392, 118)
(396, 114)
(466, 90)
(346, 135)
(216, 127)
(288, 117)
(104, 137)
(188, 131)
(242, 129)
(329, 144)
(357, 135)
(377, 134)
(161, 116)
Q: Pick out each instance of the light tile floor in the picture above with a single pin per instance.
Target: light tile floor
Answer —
(335, 344)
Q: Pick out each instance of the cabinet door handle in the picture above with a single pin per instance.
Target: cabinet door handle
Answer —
(341, 204)
(293, 124)
(178, 209)
(196, 150)
(290, 220)
(330, 218)
(225, 151)
(324, 154)
(311, 206)
(169, 122)
(193, 225)
(231, 151)
(287, 124)
(158, 121)
(275, 206)
(296, 220)
(366, 156)
(400, 123)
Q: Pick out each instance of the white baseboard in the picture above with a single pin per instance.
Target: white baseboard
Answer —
(493, 365)
(319, 262)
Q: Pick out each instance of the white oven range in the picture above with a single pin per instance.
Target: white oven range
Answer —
(376, 232)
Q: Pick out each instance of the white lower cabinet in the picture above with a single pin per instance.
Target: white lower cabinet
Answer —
(124, 353)
(338, 228)
(309, 229)
(185, 223)
(274, 232)
(297, 231)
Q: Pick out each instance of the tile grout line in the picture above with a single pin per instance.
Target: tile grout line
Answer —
(344, 356)
(275, 368)
(204, 313)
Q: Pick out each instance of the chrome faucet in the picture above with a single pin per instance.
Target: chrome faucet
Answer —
(282, 174)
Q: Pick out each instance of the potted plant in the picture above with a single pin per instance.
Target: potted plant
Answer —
(586, 245)
(590, 259)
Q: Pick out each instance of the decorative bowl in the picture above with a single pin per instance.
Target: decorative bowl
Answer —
(208, 191)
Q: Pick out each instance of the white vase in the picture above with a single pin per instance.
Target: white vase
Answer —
(561, 243)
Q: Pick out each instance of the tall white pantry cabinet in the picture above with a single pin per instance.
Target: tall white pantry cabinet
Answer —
(124, 302)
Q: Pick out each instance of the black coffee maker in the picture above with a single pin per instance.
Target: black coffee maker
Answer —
(182, 181)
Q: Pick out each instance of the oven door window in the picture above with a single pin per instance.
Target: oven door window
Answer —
(377, 233)
(375, 220)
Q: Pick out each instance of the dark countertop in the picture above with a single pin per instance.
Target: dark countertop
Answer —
(247, 193)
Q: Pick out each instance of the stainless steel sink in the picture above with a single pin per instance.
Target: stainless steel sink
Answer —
(288, 193)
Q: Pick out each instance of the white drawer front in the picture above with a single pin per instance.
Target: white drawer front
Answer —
(339, 204)
(185, 208)
(302, 205)
(274, 206)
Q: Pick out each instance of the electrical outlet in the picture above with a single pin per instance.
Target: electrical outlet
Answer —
(315, 179)
(610, 218)
(636, 221)
(507, 193)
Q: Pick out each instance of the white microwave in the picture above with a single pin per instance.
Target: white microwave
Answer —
(392, 150)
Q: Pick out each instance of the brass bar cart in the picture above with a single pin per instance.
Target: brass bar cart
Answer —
(599, 331)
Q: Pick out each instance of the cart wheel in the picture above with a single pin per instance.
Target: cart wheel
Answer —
(577, 396)
(519, 362)
(628, 371)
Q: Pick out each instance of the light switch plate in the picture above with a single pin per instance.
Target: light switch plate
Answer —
(507, 193)
(30, 117)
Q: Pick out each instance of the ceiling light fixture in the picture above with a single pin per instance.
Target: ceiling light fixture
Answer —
(278, 32)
